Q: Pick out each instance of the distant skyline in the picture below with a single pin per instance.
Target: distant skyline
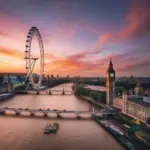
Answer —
(79, 36)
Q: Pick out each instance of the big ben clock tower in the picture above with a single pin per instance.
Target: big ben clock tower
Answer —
(110, 84)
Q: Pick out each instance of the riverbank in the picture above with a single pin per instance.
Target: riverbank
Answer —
(116, 132)
(89, 99)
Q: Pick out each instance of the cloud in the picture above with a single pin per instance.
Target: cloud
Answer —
(12, 26)
(135, 66)
(69, 66)
(138, 24)
(73, 64)
(85, 54)
(139, 19)
(50, 56)
(5, 62)
(4, 34)
(12, 52)
(77, 64)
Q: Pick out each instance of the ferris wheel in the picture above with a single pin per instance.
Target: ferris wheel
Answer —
(30, 61)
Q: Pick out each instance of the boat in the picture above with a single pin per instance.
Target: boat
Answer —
(5, 96)
(54, 127)
(47, 128)
(116, 130)
(51, 128)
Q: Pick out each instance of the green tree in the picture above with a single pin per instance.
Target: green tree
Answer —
(119, 90)
(100, 97)
(79, 90)
(86, 91)
(94, 95)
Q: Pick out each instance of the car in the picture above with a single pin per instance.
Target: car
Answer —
(54, 110)
(64, 110)
(40, 109)
(48, 109)
(27, 109)
(6, 107)
(20, 108)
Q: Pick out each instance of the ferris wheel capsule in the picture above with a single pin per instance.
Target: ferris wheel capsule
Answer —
(33, 27)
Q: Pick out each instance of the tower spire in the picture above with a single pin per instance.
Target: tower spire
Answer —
(110, 63)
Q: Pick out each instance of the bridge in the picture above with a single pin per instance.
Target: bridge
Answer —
(60, 91)
(49, 92)
(45, 112)
(56, 90)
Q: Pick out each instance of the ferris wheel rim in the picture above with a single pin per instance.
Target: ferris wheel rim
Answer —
(34, 31)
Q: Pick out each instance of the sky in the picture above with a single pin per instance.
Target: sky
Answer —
(79, 36)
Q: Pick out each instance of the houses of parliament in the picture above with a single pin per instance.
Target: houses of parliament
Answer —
(135, 105)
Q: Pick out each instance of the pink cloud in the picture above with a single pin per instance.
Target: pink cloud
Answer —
(138, 24)
(12, 26)
(132, 66)
(12, 52)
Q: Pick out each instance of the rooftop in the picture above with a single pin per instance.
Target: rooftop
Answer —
(141, 100)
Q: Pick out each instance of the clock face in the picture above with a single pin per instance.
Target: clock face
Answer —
(112, 75)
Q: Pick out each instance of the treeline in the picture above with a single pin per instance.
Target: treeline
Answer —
(120, 85)
(98, 96)
(54, 82)
(19, 87)
(3, 88)
(132, 85)
(126, 84)
(95, 82)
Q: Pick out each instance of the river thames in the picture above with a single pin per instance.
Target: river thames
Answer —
(26, 133)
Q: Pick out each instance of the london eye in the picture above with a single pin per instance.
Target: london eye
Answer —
(30, 61)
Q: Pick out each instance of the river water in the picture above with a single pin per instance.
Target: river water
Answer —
(26, 133)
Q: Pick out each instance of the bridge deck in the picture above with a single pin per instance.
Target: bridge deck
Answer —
(44, 111)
